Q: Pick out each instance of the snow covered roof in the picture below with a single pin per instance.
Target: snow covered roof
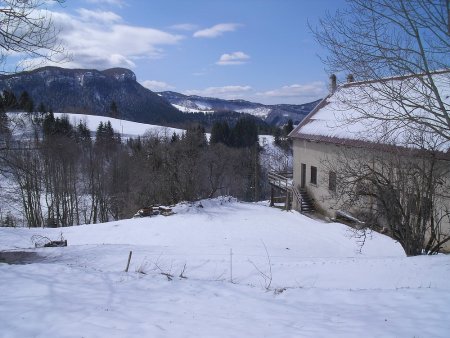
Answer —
(365, 114)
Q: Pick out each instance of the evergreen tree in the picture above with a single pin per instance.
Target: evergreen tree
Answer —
(63, 127)
(175, 138)
(277, 135)
(108, 131)
(244, 133)
(5, 132)
(25, 102)
(105, 136)
(195, 136)
(41, 108)
(99, 134)
(220, 133)
(83, 134)
(9, 100)
(114, 110)
(53, 127)
(48, 125)
(288, 127)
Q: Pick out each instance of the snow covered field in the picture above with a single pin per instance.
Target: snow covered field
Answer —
(123, 127)
(321, 286)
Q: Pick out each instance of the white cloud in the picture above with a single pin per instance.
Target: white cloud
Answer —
(236, 58)
(97, 39)
(185, 27)
(216, 30)
(156, 86)
(309, 91)
(98, 16)
(225, 92)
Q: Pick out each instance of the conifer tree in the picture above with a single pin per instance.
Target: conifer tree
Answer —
(25, 102)
(9, 100)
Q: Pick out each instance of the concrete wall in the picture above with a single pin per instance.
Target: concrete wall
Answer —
(316, 154)
(320, 155)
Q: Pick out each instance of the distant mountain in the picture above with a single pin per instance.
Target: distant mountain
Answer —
(272, 114)
(89, 91)
(93, 92)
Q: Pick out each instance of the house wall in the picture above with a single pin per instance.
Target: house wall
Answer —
(315, 154)
(320, 155)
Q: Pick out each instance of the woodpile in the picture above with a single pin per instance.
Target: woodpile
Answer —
(154, 211)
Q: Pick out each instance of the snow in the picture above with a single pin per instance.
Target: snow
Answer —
(261, 112)
(344, 114)
(24, 127)
(192, 110)
(203, 105)
(322, 284)
(126, 128)
(272, 156)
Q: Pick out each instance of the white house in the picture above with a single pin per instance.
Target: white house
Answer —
(362, 119)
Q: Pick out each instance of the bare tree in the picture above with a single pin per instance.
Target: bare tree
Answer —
(398, 191)
(217, 167)
(27, 29)
(378, 39)
(60, 173)
(26, 167)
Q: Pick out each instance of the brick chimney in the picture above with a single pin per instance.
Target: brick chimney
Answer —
(333, 83)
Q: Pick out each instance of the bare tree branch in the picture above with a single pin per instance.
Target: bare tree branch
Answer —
(27, 30)
(376, 40)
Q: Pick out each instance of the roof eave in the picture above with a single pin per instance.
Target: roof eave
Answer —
(321, 104)
(357, 143)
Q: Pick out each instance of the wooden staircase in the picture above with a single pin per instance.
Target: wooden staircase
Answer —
(283, 181)
(304, 200)
(306, 203)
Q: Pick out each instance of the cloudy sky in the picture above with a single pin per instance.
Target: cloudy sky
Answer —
(258, 50)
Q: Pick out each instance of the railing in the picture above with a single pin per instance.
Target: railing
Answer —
(282, 180)
(297, 195)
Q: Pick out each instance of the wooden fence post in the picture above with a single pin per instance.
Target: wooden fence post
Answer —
(129, 259)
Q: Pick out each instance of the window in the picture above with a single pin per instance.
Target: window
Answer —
(332, 181)
(313, 175)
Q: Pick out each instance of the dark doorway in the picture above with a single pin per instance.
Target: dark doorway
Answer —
(313, 174)
(302, 175)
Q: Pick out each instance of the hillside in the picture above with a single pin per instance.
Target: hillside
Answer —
(89, 91)
(93, 92)
(219, 268)
(277, 115)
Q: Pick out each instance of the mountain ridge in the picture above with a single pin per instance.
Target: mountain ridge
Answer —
(91, 91)
(277, 114)
(115, 92)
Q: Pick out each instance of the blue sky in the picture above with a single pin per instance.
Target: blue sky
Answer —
(259, 50)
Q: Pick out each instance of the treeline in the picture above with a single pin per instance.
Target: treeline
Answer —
(67, 176)
(9, 102)
(281, 136)
(208, 120)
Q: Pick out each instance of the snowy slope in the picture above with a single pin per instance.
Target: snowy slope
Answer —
(23, 127)
(126, 128)
(322, 286)
(188, 109)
